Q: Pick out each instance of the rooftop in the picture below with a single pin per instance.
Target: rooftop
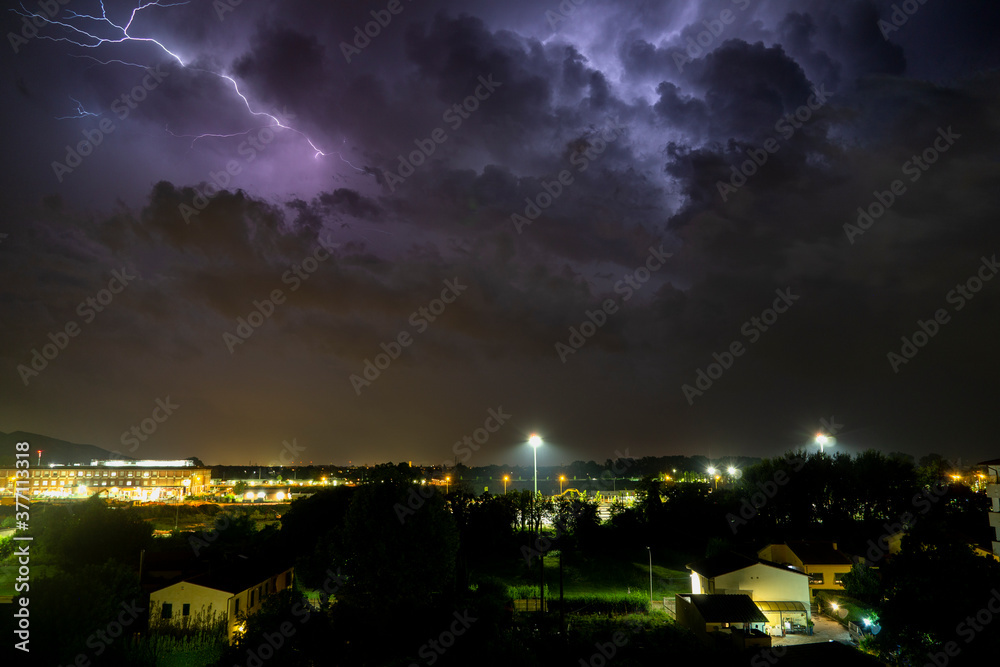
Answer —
(714, 566)
(818, 553)
(726, 608)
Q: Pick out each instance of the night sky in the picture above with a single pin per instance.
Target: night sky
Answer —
(674, 169)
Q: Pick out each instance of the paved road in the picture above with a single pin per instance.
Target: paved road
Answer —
(824, 630)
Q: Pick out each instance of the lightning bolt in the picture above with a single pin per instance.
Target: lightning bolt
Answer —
(76, 34)
(79, 112)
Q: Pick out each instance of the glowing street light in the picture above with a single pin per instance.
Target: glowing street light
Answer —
(731, 470)
(824, 440)
(506, 479)
(535, 441)
(447, 484)
(562, 478)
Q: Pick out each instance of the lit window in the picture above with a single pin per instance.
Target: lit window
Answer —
(113, 473)
(145, 474)
(128, 483)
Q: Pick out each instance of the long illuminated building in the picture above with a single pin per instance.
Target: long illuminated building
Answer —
(128, 480)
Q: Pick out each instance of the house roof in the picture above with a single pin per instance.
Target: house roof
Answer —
(238, 577)
(714, 566)
(818, 553)
(993, 462)
(726, 608)
(780, 605)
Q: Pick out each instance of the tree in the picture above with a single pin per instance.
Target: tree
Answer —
(398, 549)
(863, 584)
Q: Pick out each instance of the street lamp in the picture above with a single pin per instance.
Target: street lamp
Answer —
(824, 440)
(447, 484)
(562, 478)
(731, 470)
(650, 576)
(535, 441)
(711, 471)
(506, 479)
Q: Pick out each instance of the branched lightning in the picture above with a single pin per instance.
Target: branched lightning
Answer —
(79, 112)
(78, 36)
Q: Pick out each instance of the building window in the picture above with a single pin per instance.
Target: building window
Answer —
(815, 578)
(145, 474)
(186, 610)
(838, 578)
(251, 597)
(167, 611)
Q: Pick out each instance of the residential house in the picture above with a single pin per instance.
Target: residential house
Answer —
(993, 491)
(780, 592)
(825, 564)
(734, 619)
(219, 595)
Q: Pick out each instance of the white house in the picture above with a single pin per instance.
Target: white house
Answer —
(780, 592)
(217, 595)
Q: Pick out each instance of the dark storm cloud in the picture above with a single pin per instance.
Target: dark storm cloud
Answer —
(685, 128)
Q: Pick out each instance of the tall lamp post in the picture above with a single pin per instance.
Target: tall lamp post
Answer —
(506, 478)
(562, 478)
(535, 441)
(650, 577)
(824, 440)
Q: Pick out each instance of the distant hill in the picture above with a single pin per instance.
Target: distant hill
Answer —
(53, 450)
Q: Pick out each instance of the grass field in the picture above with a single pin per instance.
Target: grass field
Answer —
(603, 576)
